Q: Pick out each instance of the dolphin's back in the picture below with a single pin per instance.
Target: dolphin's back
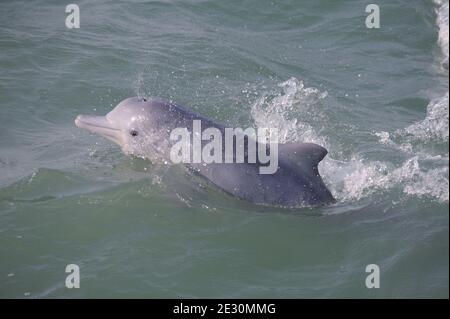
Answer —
(293, 184)
(296, 182)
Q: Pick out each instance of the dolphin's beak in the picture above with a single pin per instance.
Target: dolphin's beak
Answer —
(99, 125)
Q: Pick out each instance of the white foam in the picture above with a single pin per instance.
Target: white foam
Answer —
(435, 127)
(366, 178)
(435, 124)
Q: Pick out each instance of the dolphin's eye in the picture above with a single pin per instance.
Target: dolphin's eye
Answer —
(134, 133)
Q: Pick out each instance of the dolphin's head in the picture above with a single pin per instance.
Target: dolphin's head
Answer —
(126, 125)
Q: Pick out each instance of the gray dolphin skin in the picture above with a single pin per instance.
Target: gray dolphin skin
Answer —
(142, 127)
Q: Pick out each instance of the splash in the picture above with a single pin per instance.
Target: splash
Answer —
(364, 179)
(282, 110)
(434, 128)
(435, 125)
(139, 86)
(356, 178)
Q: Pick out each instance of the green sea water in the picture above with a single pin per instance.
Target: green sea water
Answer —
(377, 99)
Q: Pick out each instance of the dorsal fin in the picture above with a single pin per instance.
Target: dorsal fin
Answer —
(306, 155)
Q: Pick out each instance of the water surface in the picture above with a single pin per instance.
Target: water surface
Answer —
(377, 99)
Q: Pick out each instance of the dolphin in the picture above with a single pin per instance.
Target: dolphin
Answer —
(142, 127)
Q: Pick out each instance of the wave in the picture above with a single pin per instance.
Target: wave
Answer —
(442, 22)
(435, 126)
